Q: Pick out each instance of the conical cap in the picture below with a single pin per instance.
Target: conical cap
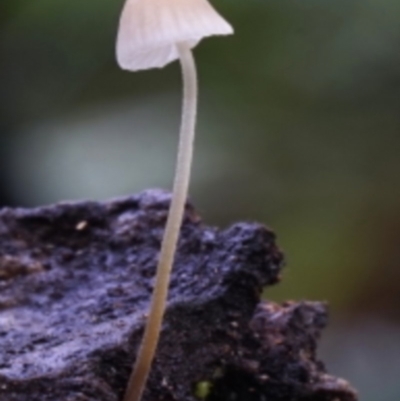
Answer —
(150, 29)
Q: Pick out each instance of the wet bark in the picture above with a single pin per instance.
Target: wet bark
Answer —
(75, 284)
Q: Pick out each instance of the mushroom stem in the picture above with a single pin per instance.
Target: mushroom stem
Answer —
(148, 347)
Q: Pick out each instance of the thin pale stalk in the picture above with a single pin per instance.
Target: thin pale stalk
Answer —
(148, 347)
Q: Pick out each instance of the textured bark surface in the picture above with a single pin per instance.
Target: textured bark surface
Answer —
(75, 285)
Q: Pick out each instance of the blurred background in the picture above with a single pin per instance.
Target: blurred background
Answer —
(298, 128)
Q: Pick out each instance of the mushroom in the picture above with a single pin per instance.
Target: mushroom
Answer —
(153, 33)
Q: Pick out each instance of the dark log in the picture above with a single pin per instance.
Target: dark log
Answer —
(75, 285)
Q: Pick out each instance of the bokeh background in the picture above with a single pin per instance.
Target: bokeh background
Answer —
(298, 128)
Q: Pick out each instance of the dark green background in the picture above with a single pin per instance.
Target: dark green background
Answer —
(298, 128)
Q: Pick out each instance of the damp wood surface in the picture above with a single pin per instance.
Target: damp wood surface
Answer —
(75, 286)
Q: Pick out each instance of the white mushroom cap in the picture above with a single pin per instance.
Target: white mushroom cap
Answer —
(150, 29)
